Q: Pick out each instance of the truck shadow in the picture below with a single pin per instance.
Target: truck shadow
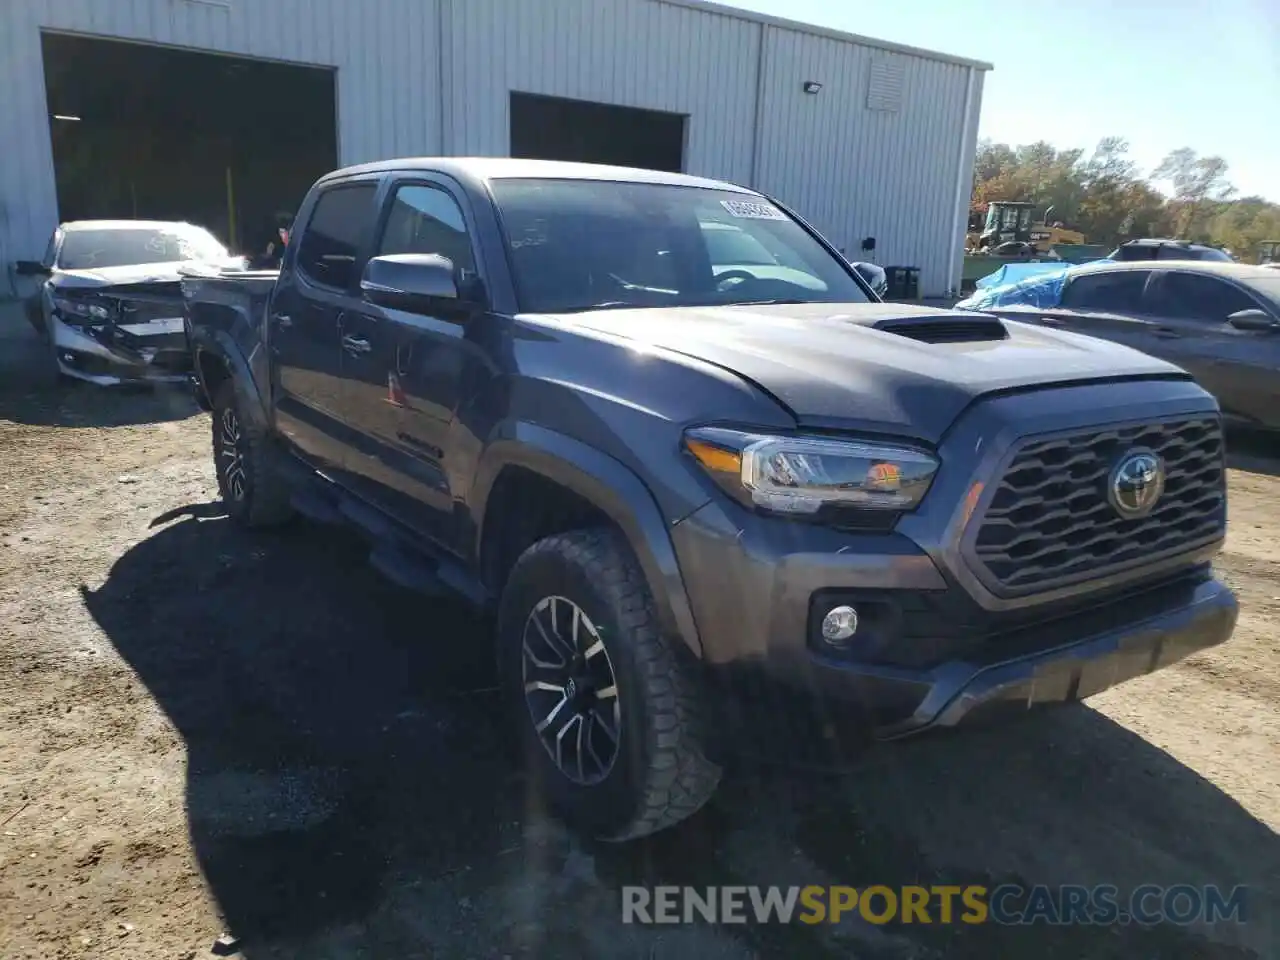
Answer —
(350, 789)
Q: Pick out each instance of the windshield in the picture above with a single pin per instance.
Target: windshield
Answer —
(592, 244)
(95, 248)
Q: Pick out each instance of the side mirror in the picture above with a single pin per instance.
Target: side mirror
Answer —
(410, 281)
(874, 276)
(1255, 320)
(30, 268)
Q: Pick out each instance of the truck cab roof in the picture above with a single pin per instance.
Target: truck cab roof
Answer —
(505, 168)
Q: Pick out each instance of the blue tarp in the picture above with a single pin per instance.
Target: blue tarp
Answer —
(1013, 272)
(1020, 284)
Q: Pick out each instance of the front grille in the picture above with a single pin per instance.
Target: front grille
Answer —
(1050, 522)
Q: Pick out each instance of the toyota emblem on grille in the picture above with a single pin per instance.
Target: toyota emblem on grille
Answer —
(1136, 483)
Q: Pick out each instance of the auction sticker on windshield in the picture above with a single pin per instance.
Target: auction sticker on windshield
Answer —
(752, 210)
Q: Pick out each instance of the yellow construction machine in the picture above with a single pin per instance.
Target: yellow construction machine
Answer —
(1009, 221)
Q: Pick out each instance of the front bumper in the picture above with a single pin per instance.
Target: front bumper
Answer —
(960, 690)
(934, 646)
(934, 659)
(132, 354)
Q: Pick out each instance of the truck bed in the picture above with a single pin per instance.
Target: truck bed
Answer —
(229, 305)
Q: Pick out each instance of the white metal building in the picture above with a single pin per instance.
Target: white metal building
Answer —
(884, 148)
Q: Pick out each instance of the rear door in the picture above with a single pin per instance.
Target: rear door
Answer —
(316, 284)
(405, 371)
(1239, 367)
(1107, 305)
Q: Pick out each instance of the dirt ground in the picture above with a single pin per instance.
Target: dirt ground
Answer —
(205, 731)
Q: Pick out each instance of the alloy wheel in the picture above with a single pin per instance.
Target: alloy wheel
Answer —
(232, 455)
(571, 690)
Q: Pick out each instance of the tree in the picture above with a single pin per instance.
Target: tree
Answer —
(1110, 163)
(991, 160)
(1198, 184)
(1105, 196)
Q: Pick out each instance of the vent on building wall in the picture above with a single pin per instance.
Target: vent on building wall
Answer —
(884, 91)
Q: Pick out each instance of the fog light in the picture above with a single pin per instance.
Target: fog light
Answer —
(839, 624)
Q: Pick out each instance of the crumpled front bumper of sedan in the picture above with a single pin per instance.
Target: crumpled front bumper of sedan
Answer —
(109, 353)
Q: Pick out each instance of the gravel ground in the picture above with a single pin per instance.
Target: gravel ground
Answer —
(205, 731)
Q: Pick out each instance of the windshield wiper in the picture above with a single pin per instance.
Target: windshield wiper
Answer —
(765, 303)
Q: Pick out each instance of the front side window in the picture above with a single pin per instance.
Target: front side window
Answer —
(1116, 292)
(96, 248)
(425, 219)
(591, 244)
(330, 242)
(1190, 296)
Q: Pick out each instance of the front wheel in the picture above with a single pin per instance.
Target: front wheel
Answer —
(610, 714)
(251, 487)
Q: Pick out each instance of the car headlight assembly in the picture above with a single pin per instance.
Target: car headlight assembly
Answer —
(813, 476)
(81, 309)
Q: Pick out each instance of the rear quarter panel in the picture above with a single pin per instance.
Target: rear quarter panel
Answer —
(226, 317)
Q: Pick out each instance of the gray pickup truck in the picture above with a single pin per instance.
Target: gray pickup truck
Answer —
(680, 475)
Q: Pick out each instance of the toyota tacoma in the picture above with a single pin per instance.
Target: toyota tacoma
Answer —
(665, 433)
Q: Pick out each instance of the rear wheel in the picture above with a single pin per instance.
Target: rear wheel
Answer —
(250, 484)
(610, 714)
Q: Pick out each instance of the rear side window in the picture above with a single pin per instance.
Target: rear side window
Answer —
(330, 242)
(1190, 296)
(1118, 292)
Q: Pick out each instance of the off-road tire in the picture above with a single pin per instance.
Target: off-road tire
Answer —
(661, 773)
(263, 499)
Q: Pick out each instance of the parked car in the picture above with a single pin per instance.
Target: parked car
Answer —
(109, 303)
(1167, 250)
(532, 384)
(1219, 321)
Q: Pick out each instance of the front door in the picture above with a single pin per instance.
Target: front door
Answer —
(404, 371)
(313, 290)
(1236, 366)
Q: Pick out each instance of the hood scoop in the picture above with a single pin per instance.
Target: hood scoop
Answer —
(944, 328)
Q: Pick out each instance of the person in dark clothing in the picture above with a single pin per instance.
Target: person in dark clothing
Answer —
(273, 253)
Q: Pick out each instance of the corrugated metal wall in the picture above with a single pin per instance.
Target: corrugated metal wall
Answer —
(384, 52)
(634, 53)
(853, 170)
(856, 172)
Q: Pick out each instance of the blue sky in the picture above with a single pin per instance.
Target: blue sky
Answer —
(1162, 74)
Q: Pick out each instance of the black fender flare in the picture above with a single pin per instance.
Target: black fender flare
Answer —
(219, 344)
(612, 487)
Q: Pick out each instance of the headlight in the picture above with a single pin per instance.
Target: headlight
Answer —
(802, 475)
(82, 309)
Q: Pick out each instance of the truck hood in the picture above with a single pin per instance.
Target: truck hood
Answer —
(886, 368)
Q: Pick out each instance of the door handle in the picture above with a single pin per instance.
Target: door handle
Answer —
(355, 345)
(1167, 333)
(283, 320)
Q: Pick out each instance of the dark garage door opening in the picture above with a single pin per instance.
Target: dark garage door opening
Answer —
(551, 128)
(158, 133)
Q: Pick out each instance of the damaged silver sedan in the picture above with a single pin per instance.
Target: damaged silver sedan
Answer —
(110, 303)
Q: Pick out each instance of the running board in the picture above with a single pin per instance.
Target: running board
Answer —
(317, 507)
(406, 571)
(395, 553)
